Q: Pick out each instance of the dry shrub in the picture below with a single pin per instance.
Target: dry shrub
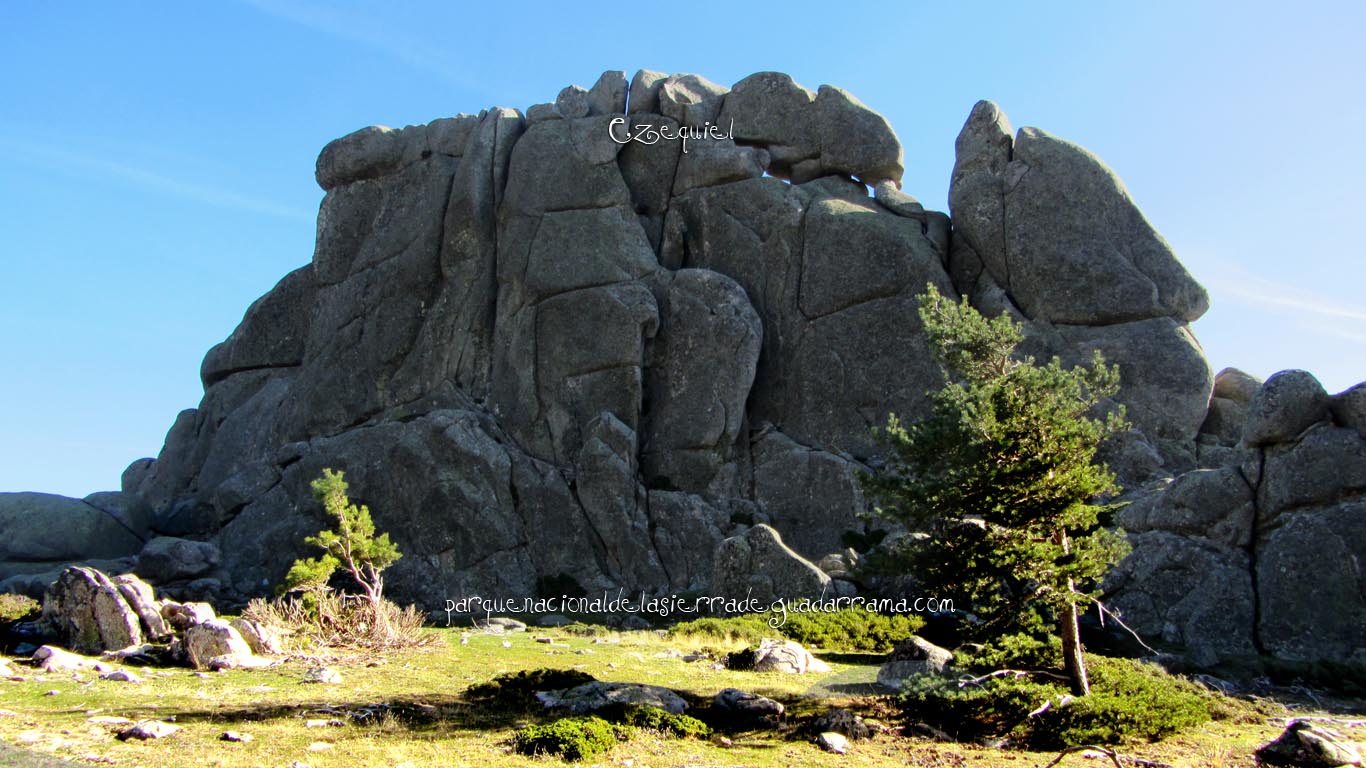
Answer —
(329, 619)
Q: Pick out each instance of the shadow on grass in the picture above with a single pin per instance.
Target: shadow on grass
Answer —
(415, 714)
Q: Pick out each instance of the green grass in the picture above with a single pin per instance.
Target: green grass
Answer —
(415, 706)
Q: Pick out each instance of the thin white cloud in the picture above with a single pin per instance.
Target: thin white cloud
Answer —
(370, 32)
(1349, 319)
(223, 198)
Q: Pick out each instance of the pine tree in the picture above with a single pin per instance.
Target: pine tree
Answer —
(353, 546)
(1004, 472)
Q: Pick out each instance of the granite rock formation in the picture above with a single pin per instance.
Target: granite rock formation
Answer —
(553, 348)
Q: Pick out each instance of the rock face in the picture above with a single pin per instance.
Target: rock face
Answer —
(758, 565)
(1261, 554)
(553, 349)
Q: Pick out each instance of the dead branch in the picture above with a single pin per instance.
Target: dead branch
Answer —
(1016, 673)
(1115, 757)
(1104, 610)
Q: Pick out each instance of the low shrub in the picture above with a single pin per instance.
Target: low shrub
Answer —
(995, 708)
(517, 690)
(663, 722)
(1014, 651)
(749, 629)
(332, 620)
(1129, 700)
(850, 629)
(572, 738)
(580, 629)
(18, 608)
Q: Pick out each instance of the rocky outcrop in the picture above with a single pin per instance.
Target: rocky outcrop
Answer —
(44, 532)
(1261, 553)
(570, 348)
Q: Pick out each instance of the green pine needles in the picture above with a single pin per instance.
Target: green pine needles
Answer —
(1003, 472)
(352, 546)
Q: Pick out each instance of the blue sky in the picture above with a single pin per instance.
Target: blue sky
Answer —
(156, 159)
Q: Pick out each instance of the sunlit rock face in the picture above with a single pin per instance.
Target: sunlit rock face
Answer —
(592, 345)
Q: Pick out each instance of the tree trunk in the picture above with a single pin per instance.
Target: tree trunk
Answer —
(1073, 662)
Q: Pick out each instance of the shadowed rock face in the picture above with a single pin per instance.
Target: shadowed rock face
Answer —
(546, 353)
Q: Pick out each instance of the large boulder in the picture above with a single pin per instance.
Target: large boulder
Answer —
(89, 612)
(757, 564)
(211, 639)
(913, 658)
(787, 657)
(1286, 405)
(42, 527)
(1349, 408)
(812, 134)
(167, 558)
(1314, 606)
(1057, 229)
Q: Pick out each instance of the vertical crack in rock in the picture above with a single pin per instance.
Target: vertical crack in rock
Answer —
(455, 338)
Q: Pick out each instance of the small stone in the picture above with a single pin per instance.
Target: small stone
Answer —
(546, 640)
(236, 736)
(121, 676)
(53, 659)
(319, 746)
(322, 675)
(328, 723)
(506, 644)
(843, 722)
(148, 729)
(833, 742)
(53, 692)
(502, 624)
(748, 706)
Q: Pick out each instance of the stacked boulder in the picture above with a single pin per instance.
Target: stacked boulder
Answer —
(1259, 552)
(566, 347)
(94, 614)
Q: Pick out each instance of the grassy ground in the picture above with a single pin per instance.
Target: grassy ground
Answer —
(418, 716)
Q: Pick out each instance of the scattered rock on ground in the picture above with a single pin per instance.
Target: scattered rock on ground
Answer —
(264, 639)
(325, 675)
(1305, 744)
(591, 697)
(148, 729)
(53, 659)
(915, 656)
(833, 742)
(841, 721)
(744, 706)
(788, 657)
